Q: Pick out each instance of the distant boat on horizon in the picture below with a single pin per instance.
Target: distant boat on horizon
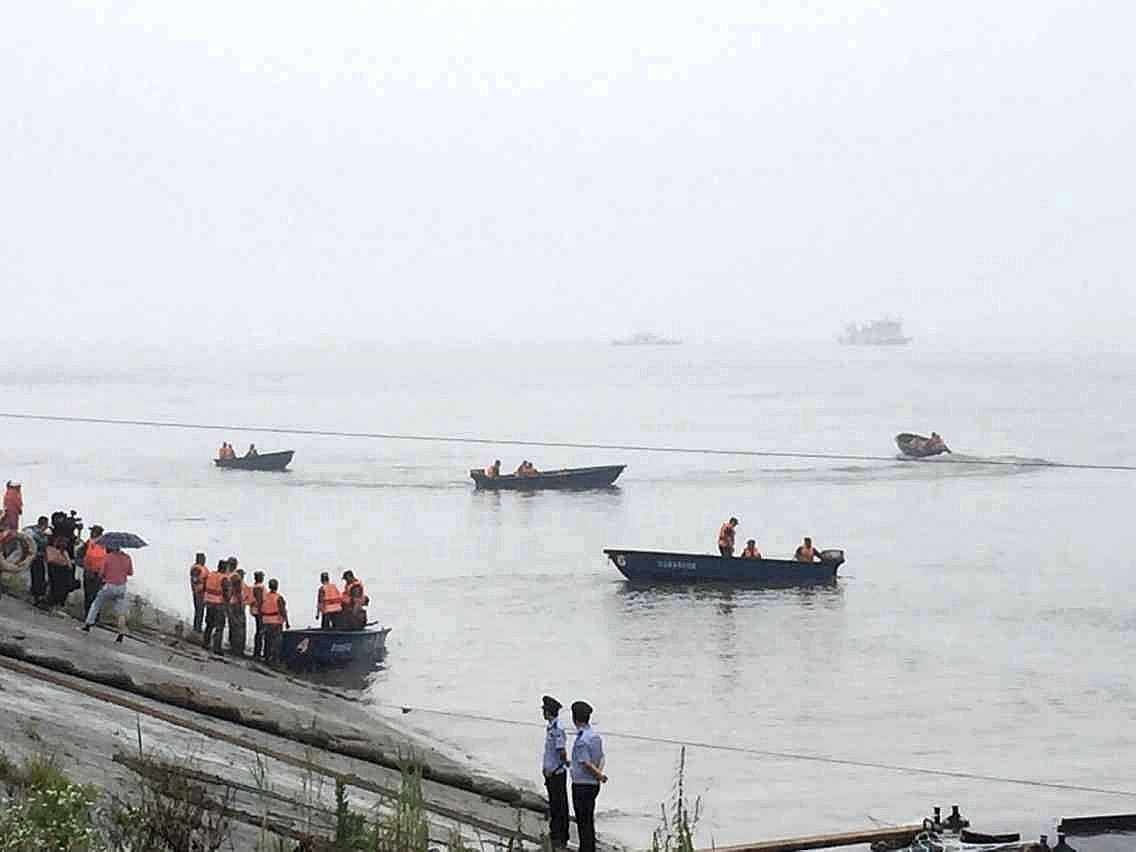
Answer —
(880, 332)
(646, 339)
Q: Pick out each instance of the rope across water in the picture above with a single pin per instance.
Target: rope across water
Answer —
(554, 444)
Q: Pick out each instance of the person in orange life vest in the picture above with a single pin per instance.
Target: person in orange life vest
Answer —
(329, 603)
(274, 612)
(91, 556)
(806, 552)
(13, 505)
(355, 600)
(494, 470)
(238, 620)
(726, 537)
(216, 585)
(751, 551)
(257, 595)
(198, 571)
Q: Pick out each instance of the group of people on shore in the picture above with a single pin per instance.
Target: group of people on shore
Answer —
(727, 534)
(226, 451)
(59, 557)
(524, 469)
(223, 599)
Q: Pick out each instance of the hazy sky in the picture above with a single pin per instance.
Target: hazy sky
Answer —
(546, 170)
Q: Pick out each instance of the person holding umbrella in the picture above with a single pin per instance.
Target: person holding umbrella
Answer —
(117, 566)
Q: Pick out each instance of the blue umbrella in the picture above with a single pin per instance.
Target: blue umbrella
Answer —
(121, 540)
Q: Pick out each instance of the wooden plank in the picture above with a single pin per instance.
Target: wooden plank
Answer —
(827, 841)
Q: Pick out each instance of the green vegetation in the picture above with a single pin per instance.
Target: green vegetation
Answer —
(679, 818)
(40, 809)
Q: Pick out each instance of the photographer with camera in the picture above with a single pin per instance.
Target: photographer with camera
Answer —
(60, 556)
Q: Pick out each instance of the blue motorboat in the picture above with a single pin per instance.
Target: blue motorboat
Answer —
(664, 567)
(312, 648)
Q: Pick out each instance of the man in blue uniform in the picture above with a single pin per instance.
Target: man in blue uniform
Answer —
(587, 774)
(555, 768)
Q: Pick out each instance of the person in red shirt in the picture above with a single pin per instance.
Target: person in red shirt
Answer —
(116, 568)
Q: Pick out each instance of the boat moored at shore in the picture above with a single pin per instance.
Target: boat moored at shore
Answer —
(312, 648)
(571, 478)
(666, 567)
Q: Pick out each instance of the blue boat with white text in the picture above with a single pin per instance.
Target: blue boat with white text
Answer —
(654, 566)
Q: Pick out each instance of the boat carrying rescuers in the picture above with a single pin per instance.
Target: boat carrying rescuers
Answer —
(727, 533)
(222, 598)
(524, 469)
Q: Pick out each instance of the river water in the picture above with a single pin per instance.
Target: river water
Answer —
(985, 621)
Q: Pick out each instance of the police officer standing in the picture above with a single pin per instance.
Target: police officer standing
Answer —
(555, 766)
(587, 774)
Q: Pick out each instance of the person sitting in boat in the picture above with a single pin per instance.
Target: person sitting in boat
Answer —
(251, 451)
(494, 470)
(935, 442)
(353, 615)
(221, 451)
(806, 552)
(751, 551)
(726, 535)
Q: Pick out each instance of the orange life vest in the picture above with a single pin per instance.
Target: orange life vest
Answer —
(236, 590)
(94, 556)
(347, 587)
(256, 595)
(805, 554)
(330, 599)
(213, 581)
(726, 535)
(270, 609)
(197, 575)
(751, 553)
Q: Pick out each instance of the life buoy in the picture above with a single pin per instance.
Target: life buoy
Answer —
(17, 553)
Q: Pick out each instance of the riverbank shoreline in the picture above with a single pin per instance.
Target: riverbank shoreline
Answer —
(77, 698)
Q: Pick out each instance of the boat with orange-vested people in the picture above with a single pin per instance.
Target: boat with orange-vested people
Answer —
(260, 461)
(569, 478)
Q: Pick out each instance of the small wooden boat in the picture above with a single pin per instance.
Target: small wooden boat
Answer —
(978, 837)
(918, 446)
(312, 648)
(262, 461)
(567, 478)
(662, 567)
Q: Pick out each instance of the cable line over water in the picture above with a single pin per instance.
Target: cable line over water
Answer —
(551, 444)
(784, 755)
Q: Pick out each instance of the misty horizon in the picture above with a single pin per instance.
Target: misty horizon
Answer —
(475, 172)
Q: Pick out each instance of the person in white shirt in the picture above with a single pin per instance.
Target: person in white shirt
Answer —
(587, 773)
(555, 768)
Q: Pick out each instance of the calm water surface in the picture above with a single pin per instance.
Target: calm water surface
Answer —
(985, 621)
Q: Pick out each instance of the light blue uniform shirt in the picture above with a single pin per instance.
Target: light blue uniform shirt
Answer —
(554, 742)
(588, 746)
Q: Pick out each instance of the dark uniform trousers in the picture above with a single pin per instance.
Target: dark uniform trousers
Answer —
(258, 638)
(198, 611)
(92, 582)
(273, 633)
(214, 627)
(584, 804)
(238, 627)
(557, 787)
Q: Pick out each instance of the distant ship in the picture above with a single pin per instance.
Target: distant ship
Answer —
(645, 339)
(881, 332)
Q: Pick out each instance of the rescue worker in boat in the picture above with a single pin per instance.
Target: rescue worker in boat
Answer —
(257, 595)
(251, 451)
(221, 451)
(751, 551)
(522, 468)
(726, 537)
(494, 470)
(329, 603)
(238, 621)
(198, 571)
(91, 556)
(935, 442)
(216, 585)
(353, 615)
(806, 552)
(274, 612)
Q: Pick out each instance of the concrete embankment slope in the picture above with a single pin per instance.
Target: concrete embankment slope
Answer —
(274, 746)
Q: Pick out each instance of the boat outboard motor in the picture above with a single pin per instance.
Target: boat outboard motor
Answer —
(832, 555)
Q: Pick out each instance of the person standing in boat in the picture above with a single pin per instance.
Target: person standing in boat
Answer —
(274, 612)
(329, 603)
(806, 552)
(494, 470)
(751, 551)
(726, 535)
(587, 774)
(353, 615)
(555, 768)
